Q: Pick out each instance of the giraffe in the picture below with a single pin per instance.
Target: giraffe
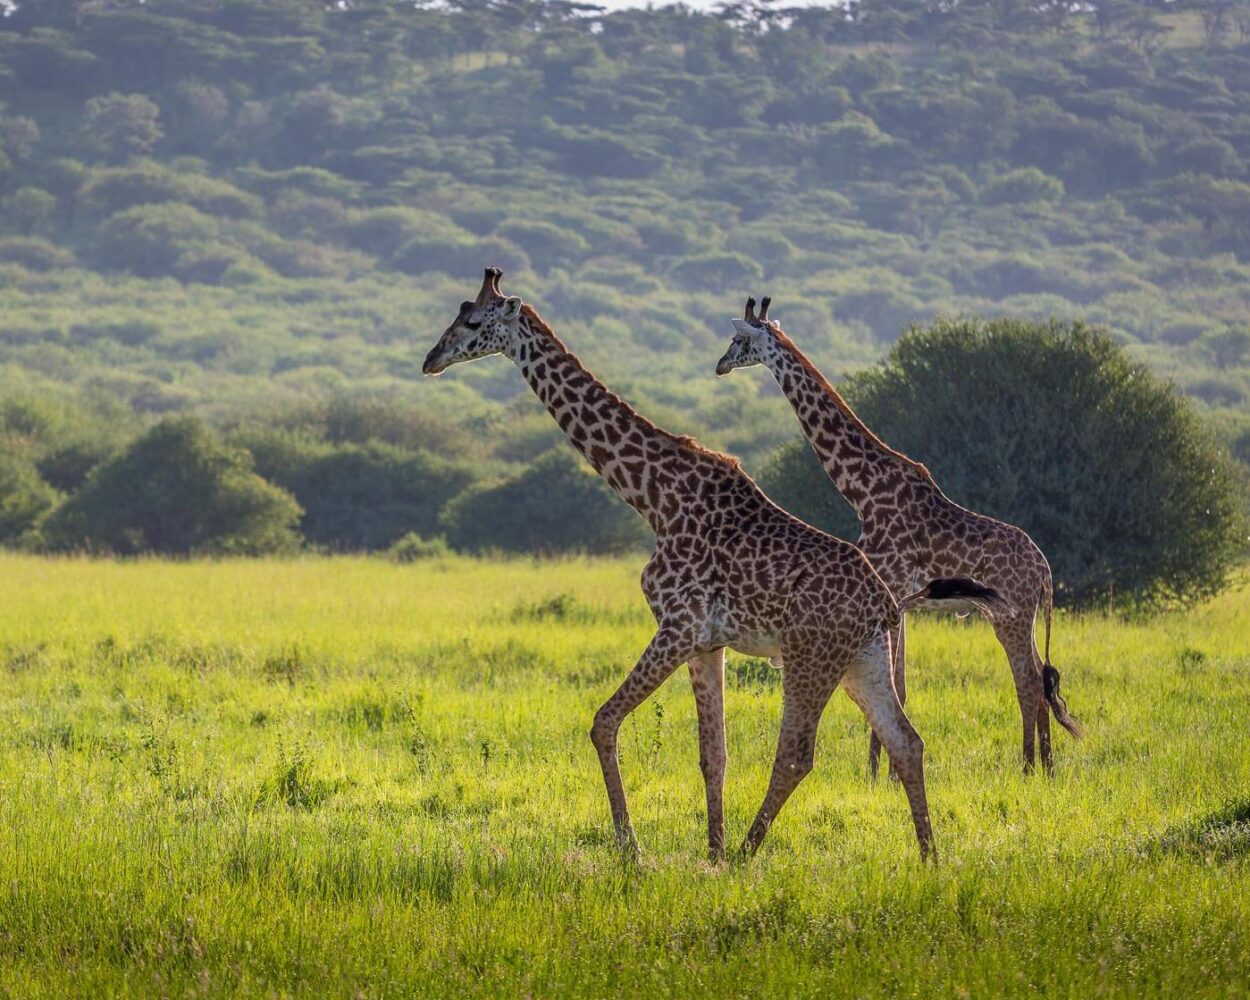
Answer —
(912, 532)
(729, 569)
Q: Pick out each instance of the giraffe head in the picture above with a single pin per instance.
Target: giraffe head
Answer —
(754, 339)
(482, 327)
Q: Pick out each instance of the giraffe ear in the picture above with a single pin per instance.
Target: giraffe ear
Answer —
(742, 326)
(511, 308)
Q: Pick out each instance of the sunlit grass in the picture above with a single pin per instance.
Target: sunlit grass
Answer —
(346, 776)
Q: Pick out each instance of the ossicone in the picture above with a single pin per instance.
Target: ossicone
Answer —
(490, 284)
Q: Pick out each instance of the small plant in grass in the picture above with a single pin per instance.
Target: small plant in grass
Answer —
(559, 608)
(286, 665)
(418, 745)
(412, 548)
(294, 783)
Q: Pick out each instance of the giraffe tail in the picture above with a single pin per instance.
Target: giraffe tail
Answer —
(1050, 675)
(985, 599)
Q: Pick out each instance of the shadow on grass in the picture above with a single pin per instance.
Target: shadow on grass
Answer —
(1223, 834)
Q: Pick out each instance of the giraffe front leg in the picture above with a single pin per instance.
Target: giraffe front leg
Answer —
(668, 649)
(707, 678)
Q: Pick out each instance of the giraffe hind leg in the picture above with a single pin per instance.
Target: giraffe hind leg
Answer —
(707, 678)
(899, 661)
(1016, 639)
(868, 683)
(805, 692)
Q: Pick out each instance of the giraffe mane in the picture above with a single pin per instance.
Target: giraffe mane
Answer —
(843, 406)
(682, 441)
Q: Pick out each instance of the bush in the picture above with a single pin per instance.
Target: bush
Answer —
(721, 271)
(24, 498)
(117, 126)
(177, 490)
(360, 497)
(413, 548)
(545, 244)
(149, 239)
(557, 505)
(34, 254)
(1053, 428)
(1022, 187)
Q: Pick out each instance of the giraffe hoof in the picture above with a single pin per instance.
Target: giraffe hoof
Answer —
(627, 846)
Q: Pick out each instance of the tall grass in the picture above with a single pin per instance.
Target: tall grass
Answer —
(347, 777)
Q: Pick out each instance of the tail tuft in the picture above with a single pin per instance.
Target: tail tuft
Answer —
(1050, 687)
(946, 588)
(985, 599)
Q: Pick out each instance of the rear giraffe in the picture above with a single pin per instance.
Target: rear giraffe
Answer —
(730, 569)
(912, 532)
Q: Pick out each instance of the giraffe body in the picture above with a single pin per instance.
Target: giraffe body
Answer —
(913, 533)
(730, 569)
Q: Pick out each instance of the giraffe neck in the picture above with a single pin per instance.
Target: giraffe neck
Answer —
(649, 468)
(865, 470)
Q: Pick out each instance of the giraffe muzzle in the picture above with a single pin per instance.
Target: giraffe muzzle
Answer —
(724, 366)
(433, 364)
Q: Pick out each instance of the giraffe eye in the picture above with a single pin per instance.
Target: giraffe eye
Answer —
(473, 326)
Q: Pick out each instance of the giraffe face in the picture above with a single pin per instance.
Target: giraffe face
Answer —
(752, 345)
(481, 328)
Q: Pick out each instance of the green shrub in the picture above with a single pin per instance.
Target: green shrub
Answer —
(412, 548)
(1022, 187)
(546, 245)
(557, 505)
(24, 498)
(149, 239)
(34, 254)
(177, 490)
(359, 497)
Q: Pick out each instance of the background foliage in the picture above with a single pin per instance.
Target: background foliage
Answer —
(261, 212)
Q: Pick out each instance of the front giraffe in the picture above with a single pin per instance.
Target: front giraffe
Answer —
(730, 568)
(912, 532)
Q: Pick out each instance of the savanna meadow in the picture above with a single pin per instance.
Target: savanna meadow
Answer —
(355, 778)
(315, 667)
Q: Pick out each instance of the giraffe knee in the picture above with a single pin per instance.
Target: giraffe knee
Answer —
(711, 766)
(603, 732)
(798, 765)
(909, 750)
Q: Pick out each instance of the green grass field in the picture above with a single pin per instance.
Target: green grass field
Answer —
(351, 778)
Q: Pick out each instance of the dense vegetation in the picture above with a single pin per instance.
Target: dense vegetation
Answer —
(349, 778)
(258, 212)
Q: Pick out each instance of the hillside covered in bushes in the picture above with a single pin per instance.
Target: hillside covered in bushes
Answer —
(261, 213)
